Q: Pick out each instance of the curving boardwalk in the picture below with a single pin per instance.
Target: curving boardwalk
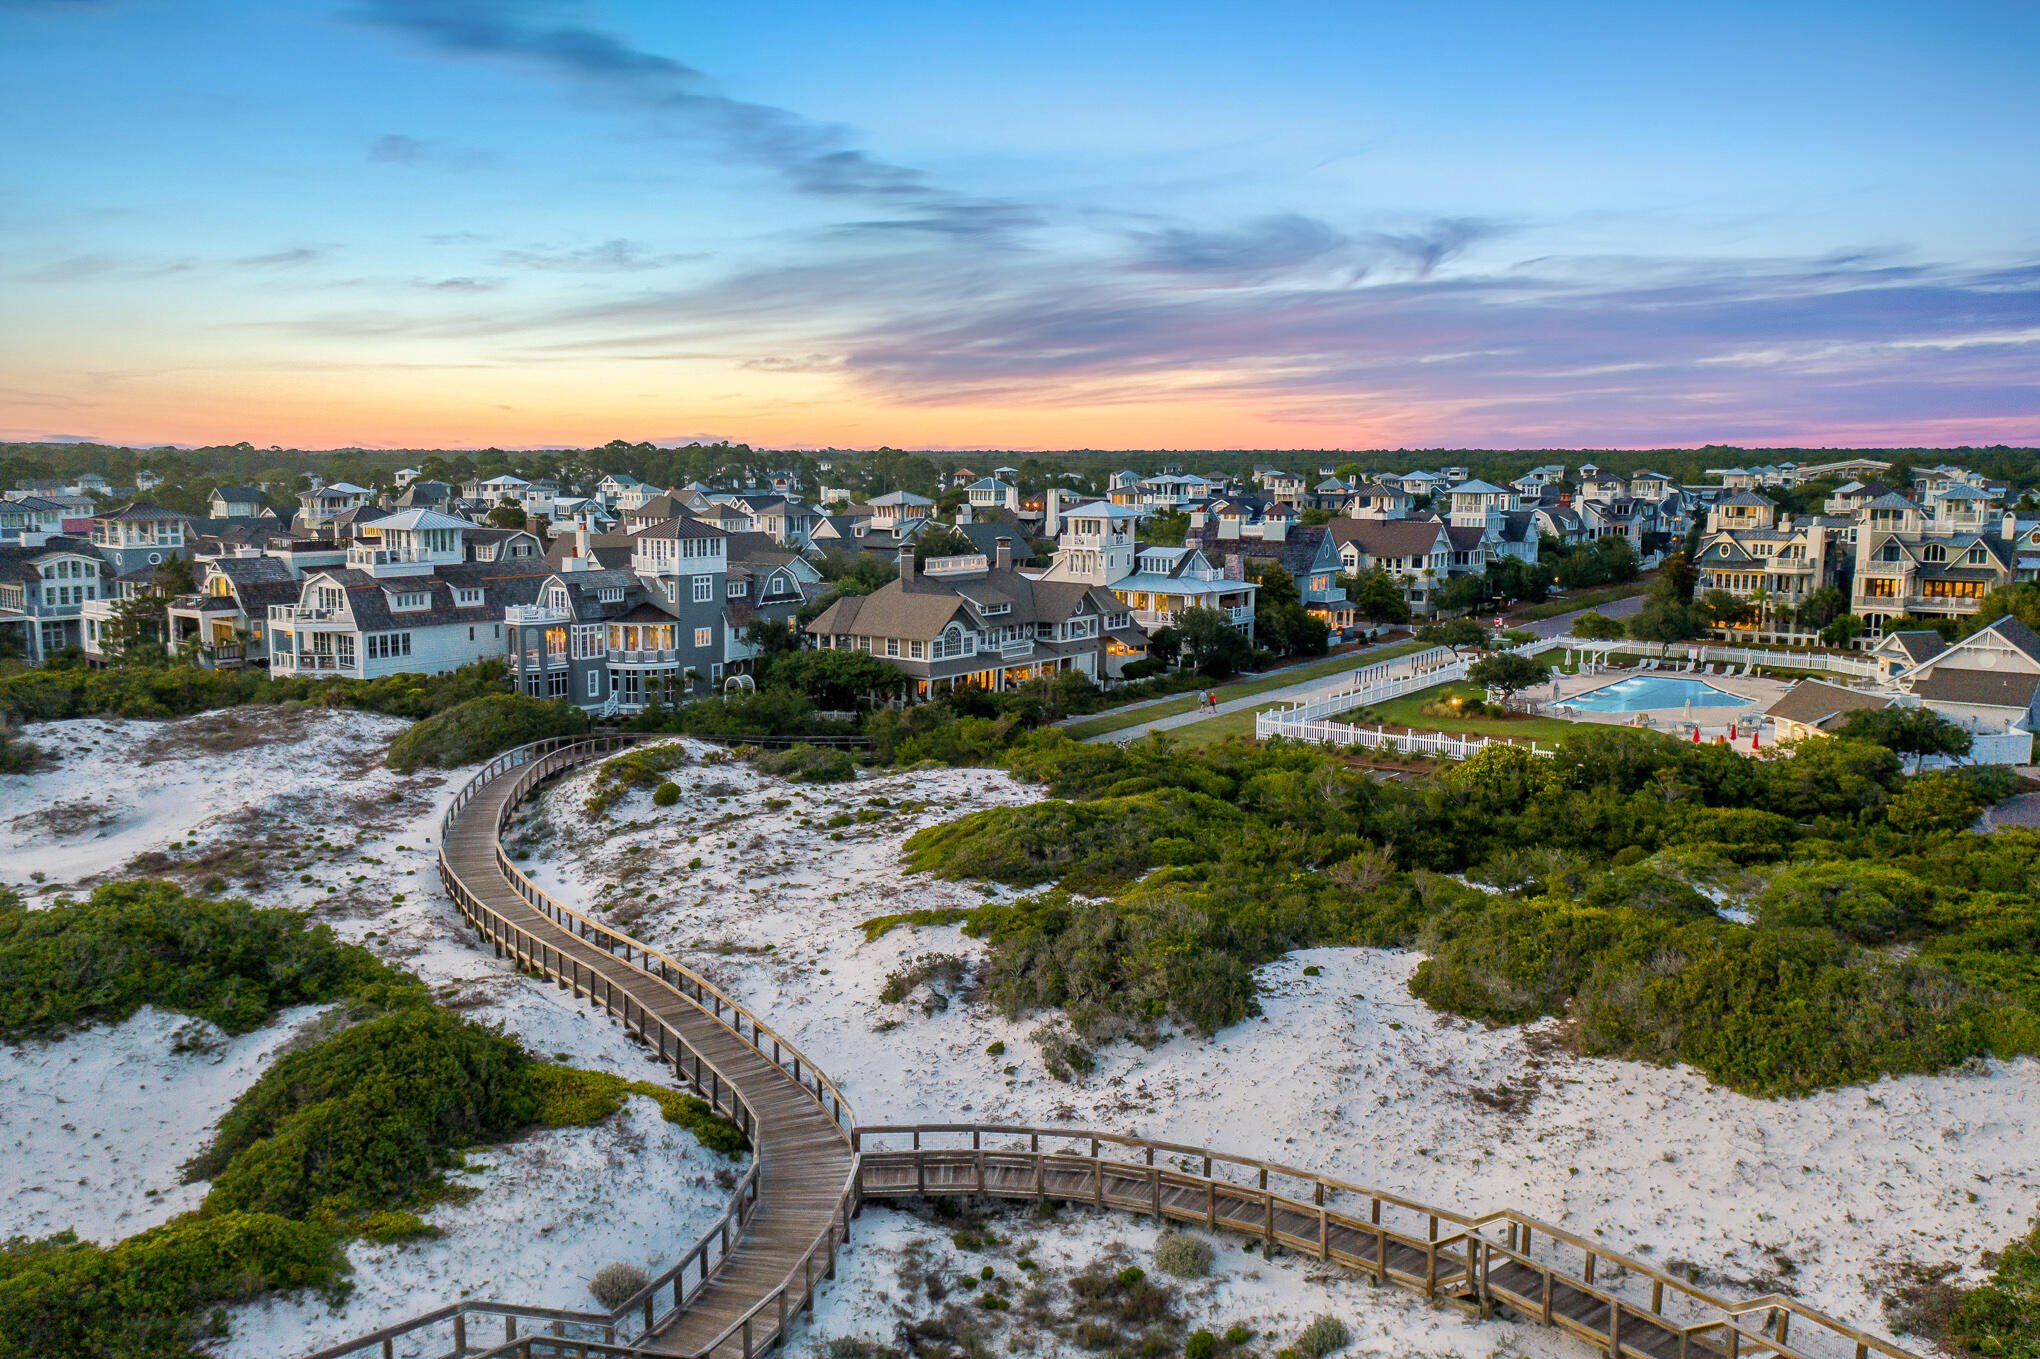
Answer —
(740, 1289)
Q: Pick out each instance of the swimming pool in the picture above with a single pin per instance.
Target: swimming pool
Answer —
(1655, 691)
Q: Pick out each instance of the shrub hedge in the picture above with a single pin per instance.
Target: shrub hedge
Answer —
(1167, 878)
(482, 727)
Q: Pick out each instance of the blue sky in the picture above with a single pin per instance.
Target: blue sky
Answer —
(425, 221)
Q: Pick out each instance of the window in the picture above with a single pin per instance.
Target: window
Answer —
(704, 589)
(892, 646)
(594, 684)
(467, 598)
(702, 636)
(383, 646)
(556, 684)
(331, 597)
(410, 601)
(738, 589)
(916, 650)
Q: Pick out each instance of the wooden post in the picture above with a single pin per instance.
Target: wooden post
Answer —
(1268, 1211)
(1590, 1266)
(1155, 1186)
(1657, 1295)
(1380, 1256)
(460, 1333)
(1547, 1300)
(1614, 1328)
(1210, 1201)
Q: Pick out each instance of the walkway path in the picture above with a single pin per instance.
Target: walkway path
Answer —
(1293, 693)
(1552, 627)
(740, 1289)
(803, 1157)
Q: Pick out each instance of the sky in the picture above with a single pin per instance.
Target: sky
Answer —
(419, 223)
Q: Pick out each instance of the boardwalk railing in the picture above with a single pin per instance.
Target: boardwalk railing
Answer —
(668, 1295)
(1625, 1306)
(1715, 653)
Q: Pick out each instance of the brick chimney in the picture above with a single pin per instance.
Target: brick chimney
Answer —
(906, 561)
(1003, 553)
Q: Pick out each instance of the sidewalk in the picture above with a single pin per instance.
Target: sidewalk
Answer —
(1272, 673)
(1270, 698)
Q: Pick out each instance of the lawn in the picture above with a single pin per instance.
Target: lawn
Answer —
(1183, 703)
(1408, 711)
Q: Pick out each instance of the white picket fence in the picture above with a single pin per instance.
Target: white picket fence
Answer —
(1345, 734)
(1706, 653)
(1421, 670)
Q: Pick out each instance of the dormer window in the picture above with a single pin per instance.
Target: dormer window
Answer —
(556, 598)
(1934, 552)
(410, 600)
(466, 597)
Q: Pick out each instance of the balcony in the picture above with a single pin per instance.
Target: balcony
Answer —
(539, 614)
(389, 556)
(644, 656)
(1239, 614)
(315, 661)
(296, 613)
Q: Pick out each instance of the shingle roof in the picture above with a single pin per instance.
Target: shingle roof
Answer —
(1743, 498)
(238, 493)
(1918, 643)
(1387, 537)
(1816, 703)
(1985, 688)
(2016, 633)
(141, 510)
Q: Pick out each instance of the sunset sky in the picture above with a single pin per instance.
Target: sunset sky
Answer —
(458, 222)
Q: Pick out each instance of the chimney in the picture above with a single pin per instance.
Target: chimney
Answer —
(581, 546)
(906, 561)
(1003, 547)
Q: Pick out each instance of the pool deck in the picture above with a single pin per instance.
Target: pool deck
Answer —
(1713, 722)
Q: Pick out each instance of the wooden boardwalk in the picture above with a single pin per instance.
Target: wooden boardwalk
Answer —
(741, 1288)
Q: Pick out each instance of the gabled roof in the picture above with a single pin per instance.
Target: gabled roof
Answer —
(1918, 644)
(2015, 633)
(1476, 488)
(1743, 498)
(1816, 703)
(1893, 501)
(1387, 537)
(237, 493)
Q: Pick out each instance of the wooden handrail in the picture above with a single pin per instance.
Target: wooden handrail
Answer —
(765, 1321)
(610, 940)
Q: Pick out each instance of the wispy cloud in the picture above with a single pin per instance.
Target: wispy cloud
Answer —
(617, 256)
(813, 157)
(294, 258)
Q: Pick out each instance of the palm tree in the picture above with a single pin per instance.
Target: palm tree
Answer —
(1762, 598)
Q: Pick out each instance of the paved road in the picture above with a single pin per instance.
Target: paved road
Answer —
(1552, 627)
(1287, 694)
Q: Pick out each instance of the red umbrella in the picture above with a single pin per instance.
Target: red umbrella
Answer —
(1696, 733)
(1753, 740)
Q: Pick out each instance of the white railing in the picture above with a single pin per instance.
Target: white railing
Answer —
(1770, 658)
(1380, 682)
(388, 556)
(644, 656)
(949, 566)
(1436, 743)
(295, 613)
(313, 660)
(534, 613)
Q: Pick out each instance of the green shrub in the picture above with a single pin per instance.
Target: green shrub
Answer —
(573, 1097)
(1238, 1335)
(665, 795)
(803, 763)
(148, 691)
(367, 1117)
(639, 767)
(1131, 1275)
(1184, 1255)
(2000, 1318)
(150, 1294)
(390, 1225)
(482, 727)
(1201, 1345)
(141, 943)
(1323, 1336)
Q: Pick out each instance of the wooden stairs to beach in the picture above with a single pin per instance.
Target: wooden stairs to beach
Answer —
(740, 1289)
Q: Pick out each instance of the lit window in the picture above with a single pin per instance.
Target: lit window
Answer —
(702, 636)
